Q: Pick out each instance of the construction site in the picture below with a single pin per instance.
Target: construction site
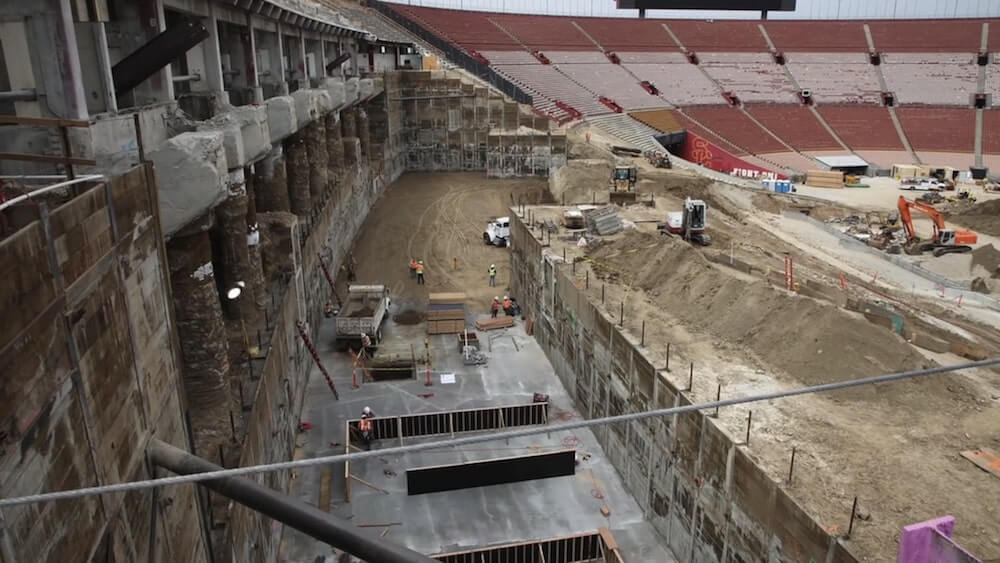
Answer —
(304, 281)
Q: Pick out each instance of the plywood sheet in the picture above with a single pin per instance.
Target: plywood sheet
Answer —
(490, 472)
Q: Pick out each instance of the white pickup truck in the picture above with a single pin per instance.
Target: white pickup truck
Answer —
(362, 312)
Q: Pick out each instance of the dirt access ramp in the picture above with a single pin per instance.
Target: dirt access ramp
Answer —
(439, 217)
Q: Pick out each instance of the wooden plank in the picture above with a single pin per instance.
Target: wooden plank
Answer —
(24, 157)
(326, 474)
(984, 458)
(486, 323)
(453, 297)
(43, 121)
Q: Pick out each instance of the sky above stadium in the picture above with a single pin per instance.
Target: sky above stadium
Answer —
(806, 9)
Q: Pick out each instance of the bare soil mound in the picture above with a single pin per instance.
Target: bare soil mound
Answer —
(812, 341)
(983, 217)
(409, 317)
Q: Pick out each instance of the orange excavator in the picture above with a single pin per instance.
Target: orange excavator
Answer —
(944, 240)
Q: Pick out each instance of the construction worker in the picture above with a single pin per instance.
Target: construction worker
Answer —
(328, 310)
(366, 344)
(413, 268)
(495, 307)
(493, 275)
(351, 265)
(588, 137)
(507, 306)
(420, 272)
(366, 427)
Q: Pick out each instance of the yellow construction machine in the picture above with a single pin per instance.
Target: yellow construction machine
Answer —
(622, 184)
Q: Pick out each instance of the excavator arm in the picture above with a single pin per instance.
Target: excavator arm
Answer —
(906, 218)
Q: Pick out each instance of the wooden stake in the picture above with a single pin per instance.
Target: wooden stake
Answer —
(379, 524)
(791, 466)
(749, 421)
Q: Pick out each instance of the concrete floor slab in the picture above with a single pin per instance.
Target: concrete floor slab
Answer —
(470, 518)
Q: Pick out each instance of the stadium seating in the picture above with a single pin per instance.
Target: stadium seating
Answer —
(991, 131)
(612, 81)
(719, 35)
(862, 127)
(735, 126)
(615, 34)
(753, 77)
(938, 129)
(931, 78)
(927, 36)
(835, 78)
(553, 85)
(544, 33)
(679, 82)
(470, 30)
(928, 65)
(795, 125)
(817, 37)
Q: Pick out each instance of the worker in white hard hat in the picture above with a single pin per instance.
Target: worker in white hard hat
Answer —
(493, 275)
(365, 425)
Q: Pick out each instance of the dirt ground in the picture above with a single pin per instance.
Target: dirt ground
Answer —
(894, 446)
(439, 218)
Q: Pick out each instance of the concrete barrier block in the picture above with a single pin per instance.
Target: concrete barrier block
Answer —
(366, 88)
(255, 131)
(193, 177)
(281, 121)
(334, 87)
(351, 90)
(311, 104)
(232, 138)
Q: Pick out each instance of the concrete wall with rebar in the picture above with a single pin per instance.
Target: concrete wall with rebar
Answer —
(701, 488)
(453, 124)
(90, 375)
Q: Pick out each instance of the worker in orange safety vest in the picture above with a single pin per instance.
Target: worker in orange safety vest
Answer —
(413, 268)
(495, 307)
(365, 425)
(420, 272)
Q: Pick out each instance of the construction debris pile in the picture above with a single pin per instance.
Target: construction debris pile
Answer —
(878, 230)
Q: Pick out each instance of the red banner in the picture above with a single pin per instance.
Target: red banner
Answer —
(700, 151)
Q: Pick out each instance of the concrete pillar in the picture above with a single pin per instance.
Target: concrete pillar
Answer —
(41, 52)
(234, 262)
(282, 67)
(348, 123)
(318, 161)
(297, 166)
(276, 244)
(361, 120)
(213, 78)
(202, 335)
(271, 182)
(335, 153)
(255, 277)
(253, 73)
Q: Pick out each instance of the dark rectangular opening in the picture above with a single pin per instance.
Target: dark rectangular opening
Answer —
(391, 371)
(490, 472)
(570, 549)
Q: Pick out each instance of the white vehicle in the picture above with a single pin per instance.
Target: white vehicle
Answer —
(923, 185)
(497, 232)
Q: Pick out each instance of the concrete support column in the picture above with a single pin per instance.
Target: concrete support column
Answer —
(253, 73)
(335, 153)
(271, 182)
(255, 277)
(361, 120)
(203, 342)
(316, 150)
(213, 57)
(297, 166)
(348, 123)
(281, 68)
(234, 262)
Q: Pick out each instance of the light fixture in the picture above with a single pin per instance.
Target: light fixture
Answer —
(234, 293)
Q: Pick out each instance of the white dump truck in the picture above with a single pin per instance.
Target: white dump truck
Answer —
(497, 232)
(362, 312)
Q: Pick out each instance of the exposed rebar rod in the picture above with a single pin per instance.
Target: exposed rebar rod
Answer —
(286, 509)
(507, 435)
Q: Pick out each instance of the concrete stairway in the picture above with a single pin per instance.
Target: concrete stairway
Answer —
(623, 127)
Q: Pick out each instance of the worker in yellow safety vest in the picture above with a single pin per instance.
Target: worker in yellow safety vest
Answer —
(493, 275)
(420, 272)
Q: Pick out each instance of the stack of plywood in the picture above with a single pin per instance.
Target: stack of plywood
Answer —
(825, 179)
(446, 313)
(487, 323)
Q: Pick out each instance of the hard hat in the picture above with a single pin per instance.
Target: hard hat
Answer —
(366, 410)
(505, 297)
(420, 261)
(493, 265)
(496, 299)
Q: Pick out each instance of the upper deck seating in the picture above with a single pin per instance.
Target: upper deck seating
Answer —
(835, 77)
(931, 78)
(753, 77)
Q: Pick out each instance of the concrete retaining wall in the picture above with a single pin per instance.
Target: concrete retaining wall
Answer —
(700, 488)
